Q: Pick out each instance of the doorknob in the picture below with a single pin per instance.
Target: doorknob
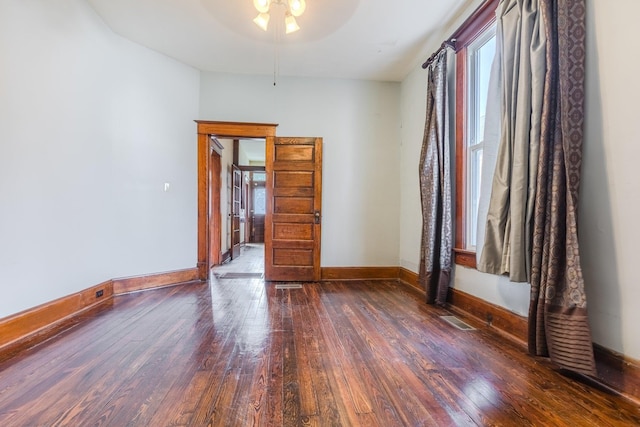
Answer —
(316, 215)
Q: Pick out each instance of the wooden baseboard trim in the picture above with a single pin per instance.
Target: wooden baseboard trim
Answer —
(150, 281)
(35, 325)
(620, 373)
(225, 257)
(501, 319)
(39, 323)
(410, 278)
(358, 273)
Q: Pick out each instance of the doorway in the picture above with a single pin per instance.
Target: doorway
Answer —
(207, 131)
(293, 188)
(237, 183)
(249, 155)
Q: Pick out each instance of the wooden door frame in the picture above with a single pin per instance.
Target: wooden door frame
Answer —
(207, 129)
(215, 214)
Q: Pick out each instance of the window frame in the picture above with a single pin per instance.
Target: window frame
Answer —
(471, 29)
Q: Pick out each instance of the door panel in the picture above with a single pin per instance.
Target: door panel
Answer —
(290, 231)
(294, 153)
(293, 205)
(294, 193)
(299, 257)
(299, 180)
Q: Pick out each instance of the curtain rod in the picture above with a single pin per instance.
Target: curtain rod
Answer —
(445, 44)
(485, 7)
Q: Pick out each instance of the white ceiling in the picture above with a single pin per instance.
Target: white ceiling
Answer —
(356, 39)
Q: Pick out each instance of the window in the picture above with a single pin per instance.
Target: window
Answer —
(476, 44)
(259, 200)
(259, 194)
(480, 55)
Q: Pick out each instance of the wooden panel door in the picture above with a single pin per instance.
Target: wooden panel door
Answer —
(292, 223)
(236, 197)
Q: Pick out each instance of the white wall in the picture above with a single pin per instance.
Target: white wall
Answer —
(91, 127)
(610, 192)
(359, 123)
(243, 159)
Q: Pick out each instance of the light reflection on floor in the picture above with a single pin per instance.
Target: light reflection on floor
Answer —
(240, 282)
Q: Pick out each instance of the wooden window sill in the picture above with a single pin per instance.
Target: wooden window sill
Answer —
(464, 258)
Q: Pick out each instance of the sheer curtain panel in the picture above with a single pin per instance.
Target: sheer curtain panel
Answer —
(521, 50)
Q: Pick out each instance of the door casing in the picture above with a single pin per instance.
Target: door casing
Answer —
(207, 129)
(215, 216)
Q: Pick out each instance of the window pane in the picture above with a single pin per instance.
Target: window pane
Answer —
(259, 201)
(484, 59)
(474, 194)
(259, 176)
(480, 56)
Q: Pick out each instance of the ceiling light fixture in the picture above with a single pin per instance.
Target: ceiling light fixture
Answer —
(293, 9)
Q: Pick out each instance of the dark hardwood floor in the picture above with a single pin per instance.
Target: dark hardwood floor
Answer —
(239, 352)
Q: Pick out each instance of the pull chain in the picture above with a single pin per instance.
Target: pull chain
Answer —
(276, 53)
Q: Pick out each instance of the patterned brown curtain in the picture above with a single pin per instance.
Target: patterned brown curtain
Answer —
(435, 188)
(558, 323)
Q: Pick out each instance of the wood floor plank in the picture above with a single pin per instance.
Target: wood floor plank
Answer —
(275, 368)
(335, 404)
(238, 352)
(306, 386)
(291, 385)
(326, 408)
(404, 374)
(382, 378)
(347, 379)
(52, 355)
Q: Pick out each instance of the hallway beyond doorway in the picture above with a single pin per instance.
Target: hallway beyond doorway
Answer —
(250, 261)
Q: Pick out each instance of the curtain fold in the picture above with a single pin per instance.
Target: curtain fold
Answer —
(435, 188)
(521, 42)
(531, 226)
(558, 322)
(490, 143)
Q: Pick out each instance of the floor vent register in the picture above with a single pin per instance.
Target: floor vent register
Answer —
(457, 323)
